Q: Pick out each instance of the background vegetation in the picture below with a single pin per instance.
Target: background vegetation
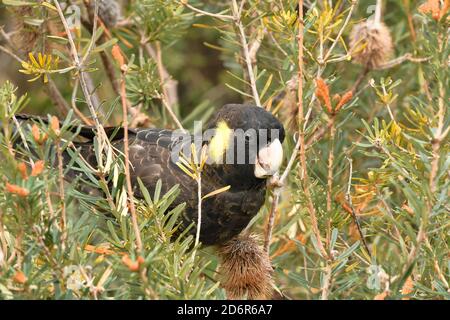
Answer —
(363, 212)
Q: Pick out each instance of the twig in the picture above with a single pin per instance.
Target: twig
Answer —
(79, 66)
(127, 163)
(406, 57)
(330, 162)
(56, 96)
(168, 84)
(276, 197)
(205, 13)
(437, 139)
(74, 105)
(165, 95)
(63, 222)
(107, 63)
(303, 167)
(377, 17)
(10, 53)
(199, 209)
(326, 282)
(348, 197)
(245, 49)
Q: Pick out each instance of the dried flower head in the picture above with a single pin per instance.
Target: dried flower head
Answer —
(25, 36)
(109, 11)
(371, 44)
(245, 269)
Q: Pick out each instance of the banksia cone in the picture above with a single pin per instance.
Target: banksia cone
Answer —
(28, 38)
(109, 11)
(25, 36)
(245, 270)
(371, 44)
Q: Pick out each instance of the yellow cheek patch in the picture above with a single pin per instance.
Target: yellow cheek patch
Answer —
(220, 142)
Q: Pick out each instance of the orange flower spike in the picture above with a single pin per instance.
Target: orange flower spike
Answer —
(132, 265)
(40, 139)
(323, 93)
(434, 8)
(140, 260)
(117, 55)
(20, 277)
(345, 98)
(54, 125)
(381, 296)
(38, 167)
(22, 167)
(407, 288)
(15, 189)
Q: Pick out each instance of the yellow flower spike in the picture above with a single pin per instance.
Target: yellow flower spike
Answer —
(33, 60)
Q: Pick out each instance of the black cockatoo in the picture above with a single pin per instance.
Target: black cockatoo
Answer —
(244, 149)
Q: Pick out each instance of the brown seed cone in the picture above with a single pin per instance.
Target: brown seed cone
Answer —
(24, 36)
(371, 44)
(27, 38)
(246, 270)
(109, 11)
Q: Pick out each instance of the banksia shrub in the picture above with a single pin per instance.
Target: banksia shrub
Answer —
(359, 208)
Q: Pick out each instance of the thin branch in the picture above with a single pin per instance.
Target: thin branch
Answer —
(10, 53)
(82, 75)
(348, 197)
(168, 84)
(303, 166)
(330, 162)
(437, 139)
(377, 17)
(199, 209)
(245, 49)
(205, 13)
(126, 152)
(406, 57)
(63, 221)
(56, 96)
(326, 282)
(74, 105)
(165, 95)
(106, 60)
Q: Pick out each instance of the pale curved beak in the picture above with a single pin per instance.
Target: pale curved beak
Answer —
(269, 159)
